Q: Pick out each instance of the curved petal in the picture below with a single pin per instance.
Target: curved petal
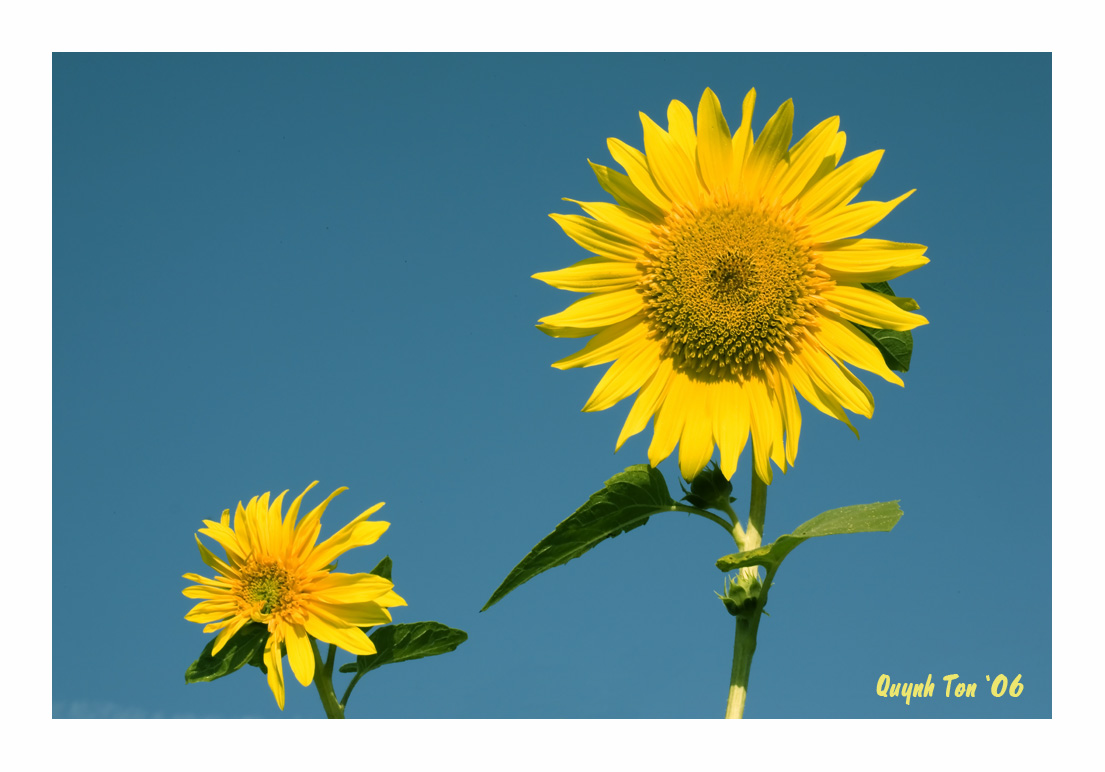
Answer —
(769, 149)
(670, 167)
(681, 127)
(845, 342)
(348, 637)
(862, 306)
(621, 219)
(607, 345)
(731, 424)
(628, 373)
(669, 419)
(868, 260)
(852, 220)
(635, 165)
(839, 186)
(338, 588)
(274, 662)
(600, 238)
(715, 144)
(696, 443)
(599, 310)
(300, 655)
(626, 193)
(595, 274)
(647, 403)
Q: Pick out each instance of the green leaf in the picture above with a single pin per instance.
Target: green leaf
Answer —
(860, 518)
(627, 501)
(245, 647)
(383, 568)
(895, 346)
(399, 643)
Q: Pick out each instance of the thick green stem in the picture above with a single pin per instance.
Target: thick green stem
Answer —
(324, 683)
(744, 642)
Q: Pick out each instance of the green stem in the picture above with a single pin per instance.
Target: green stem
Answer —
(736, 530)
(323, 682)
(744, 641)
(702, 513)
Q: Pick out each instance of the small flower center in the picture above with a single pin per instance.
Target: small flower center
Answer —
(725, 288)
(266, 586)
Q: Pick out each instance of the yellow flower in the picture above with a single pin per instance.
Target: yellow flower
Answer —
(275, 574)
(726, 277)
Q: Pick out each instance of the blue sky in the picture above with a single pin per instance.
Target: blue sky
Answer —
(269, 270)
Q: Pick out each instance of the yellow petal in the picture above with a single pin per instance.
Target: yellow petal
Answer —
(600, 238)
(696, 444)
(670, 167)
(769, 150)
(869, 260)
(635, 165)
(348, 637)
(852, 220)
(803, 161)
(681, 127)
(359, 535)
(839, 186)
(308, 530)
(628, 373)
(600, 310)
(607, 345)
(274, 662)
(647, 402)
(228, 633)
(300, 655)
(288, 525)
(845, 342)
(669, 420)
(731, 425)
(871, 309)
(595, 274)
(349, 588)
(743, 138)
(364, 614)
(625, 221)
(760, 420)
(625, 192)
(715, 145)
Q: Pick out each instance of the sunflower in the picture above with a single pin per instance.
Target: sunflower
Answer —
(726, 277)
(275, 574)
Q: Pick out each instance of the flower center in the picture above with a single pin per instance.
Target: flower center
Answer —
(266, 587)
(725, 288)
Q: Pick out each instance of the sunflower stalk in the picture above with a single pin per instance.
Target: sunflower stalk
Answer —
(744, 641)
(324, 673)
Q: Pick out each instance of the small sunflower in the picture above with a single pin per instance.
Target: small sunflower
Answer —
(726, 277)
(275, 574)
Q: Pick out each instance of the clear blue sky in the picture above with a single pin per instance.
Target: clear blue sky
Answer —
(275, 269)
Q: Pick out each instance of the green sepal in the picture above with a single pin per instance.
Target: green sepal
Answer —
(245, 647)
(860, 518)
(626, 502)
(710, 489)
(895, 346)
(383, 568)
(399, 643)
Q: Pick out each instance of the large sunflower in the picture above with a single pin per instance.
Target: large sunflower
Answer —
(275, 574)
(725, 277)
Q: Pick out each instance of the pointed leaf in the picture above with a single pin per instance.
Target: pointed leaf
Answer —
(245, 645)
(383, 568)
(626, 502)
(860, 518)
(895, 346)
(399, 643)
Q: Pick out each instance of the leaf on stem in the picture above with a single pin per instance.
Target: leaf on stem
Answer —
(399, 643)
(860, 518)
(626, 502)
(895, 346)
(245, 645)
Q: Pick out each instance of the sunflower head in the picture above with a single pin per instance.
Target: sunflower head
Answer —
(726, 277)
(276, 574)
